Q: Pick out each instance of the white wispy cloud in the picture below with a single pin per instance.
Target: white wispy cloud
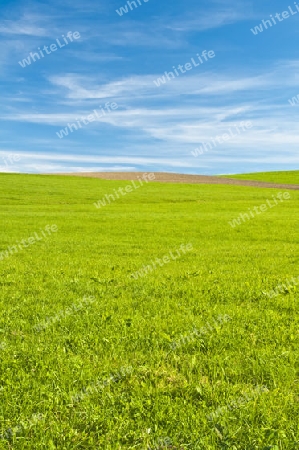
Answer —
(202, 83)
(27, 25)
(54, 162)
(203, 20)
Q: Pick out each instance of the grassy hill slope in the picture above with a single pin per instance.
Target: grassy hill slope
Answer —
(290, 177)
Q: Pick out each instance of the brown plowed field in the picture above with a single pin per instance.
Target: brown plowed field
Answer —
(164, 177)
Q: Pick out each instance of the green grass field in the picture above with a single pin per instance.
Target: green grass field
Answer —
(291, 177)
(192, 354)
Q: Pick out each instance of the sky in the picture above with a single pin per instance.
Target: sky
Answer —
(181, 86)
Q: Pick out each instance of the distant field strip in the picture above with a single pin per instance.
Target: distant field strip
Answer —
(188, 179)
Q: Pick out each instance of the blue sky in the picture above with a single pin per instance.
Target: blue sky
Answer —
(117, 59)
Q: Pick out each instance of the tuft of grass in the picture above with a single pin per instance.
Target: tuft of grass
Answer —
(133, 388)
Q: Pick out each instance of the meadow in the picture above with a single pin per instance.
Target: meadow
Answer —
(193, 354)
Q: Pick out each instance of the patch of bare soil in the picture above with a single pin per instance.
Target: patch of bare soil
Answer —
(164, 177)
